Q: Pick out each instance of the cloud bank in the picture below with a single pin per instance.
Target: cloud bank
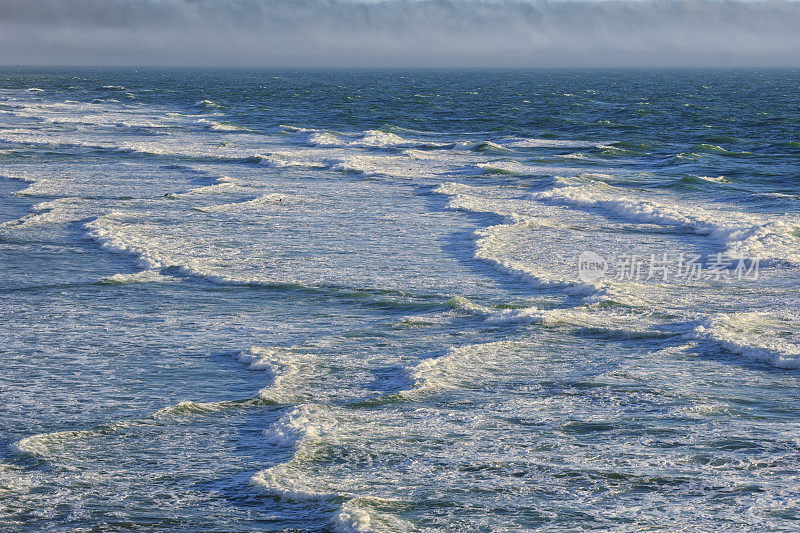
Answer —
(417, 33)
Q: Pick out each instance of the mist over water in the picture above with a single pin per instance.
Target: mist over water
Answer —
(426, 33)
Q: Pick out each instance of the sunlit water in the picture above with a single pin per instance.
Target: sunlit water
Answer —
(271, 300)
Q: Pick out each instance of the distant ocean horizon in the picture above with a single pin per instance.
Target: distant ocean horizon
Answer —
(398, 299)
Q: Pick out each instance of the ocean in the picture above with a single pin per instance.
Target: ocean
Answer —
(399, 300)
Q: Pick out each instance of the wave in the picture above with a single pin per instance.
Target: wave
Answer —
(252, 204)
(447, 371)
(528, 243)
(222, 185)
(380, 138)
(297, 429)
(58, 211)
(574, 155)
(760, 337)
(475, 199)
(260, 359)
(16, 175)
(324, 138)
(42, 444)
(517, 168)
(522, 142)
(284, 160)
(214, 125)
(197, 256)
(490, 246)
(208, 104)
(287, 367)
(742, 234)
(177, 151)
(620, 322)
(359, 515)
(486, 147)
(145, 276)
(383, 138)
(105, 230)
(696, 182)
(306, 429)
(701, 150)
(117, 231)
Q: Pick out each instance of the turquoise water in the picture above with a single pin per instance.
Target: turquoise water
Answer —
(351, 300)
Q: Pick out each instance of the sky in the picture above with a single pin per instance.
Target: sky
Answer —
(402, 33)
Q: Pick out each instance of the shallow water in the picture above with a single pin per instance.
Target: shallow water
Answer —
(350, 300)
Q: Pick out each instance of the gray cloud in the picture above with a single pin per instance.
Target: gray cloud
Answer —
(482, 33)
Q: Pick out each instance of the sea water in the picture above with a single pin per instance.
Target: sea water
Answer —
(315, 300)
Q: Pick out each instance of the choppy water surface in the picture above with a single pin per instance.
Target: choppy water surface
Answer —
(271, 300)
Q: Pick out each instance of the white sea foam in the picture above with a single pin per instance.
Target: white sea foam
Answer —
(529, 244)
(324, 138)
(40, 444)
(478, 199)
(383, 138)
(288, 368)
(207, 104)
(718, 179)
(257, 358)
(622, 322)
(365, 139)
(574, 155)
(358, 515)
(188, 407)
(303, 428)
(18, 176)
(456, 368)
(520, 142)
(145, 276)
(288, 159)
(107, 230)
(219, 126)
(519, 168)
(500, 244)
(43, 444)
